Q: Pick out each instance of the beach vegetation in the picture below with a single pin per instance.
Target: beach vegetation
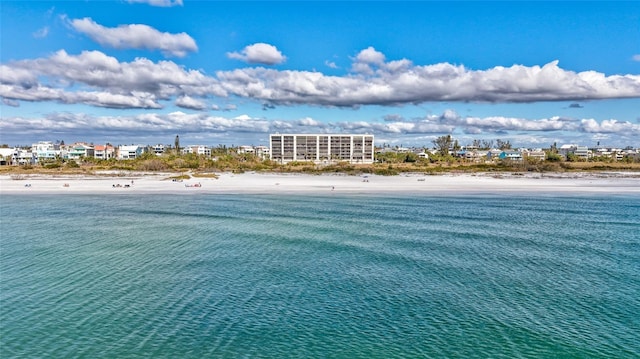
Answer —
(72, 164)
(553, 156)
(389, 171)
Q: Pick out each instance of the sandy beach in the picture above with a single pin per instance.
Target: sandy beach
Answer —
(260, 183)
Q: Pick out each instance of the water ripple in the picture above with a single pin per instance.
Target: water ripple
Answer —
(312, 276)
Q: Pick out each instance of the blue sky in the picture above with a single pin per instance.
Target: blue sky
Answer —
(142, 71)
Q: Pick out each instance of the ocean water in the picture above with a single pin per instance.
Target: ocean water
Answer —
(260, 276)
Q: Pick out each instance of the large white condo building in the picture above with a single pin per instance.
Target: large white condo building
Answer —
(321, 148)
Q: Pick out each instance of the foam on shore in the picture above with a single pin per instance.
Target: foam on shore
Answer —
(270, 183)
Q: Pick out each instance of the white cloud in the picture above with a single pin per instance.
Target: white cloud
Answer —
(370, 56)
(610, 126)
(144, 83)
(401, 82)
(160, 3)
(636, 57)
(92, 76)
(259, 53)
(247, 128)
(136, 36)
(41, 33)
(190, 103)
(331, 64)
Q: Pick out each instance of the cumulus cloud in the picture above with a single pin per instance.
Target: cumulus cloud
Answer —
(370, 56)
(159, 3)
(144, 83)
(190, 103)
(401, 82)
(247, 128)
(97, 79)
(136, 36)
(610, 126)
(259, 53)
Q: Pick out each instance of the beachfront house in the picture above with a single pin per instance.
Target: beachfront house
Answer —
(493, 154)
(6, 156)
(474, 155)
(321, 148)
(24, 157)
(259, 151)
(159, 149)
(129, 152)
(537, 154)
(511, 155)
(581, 152)
(198, 150)
(80, 150)
(46, 151)
(104, 152)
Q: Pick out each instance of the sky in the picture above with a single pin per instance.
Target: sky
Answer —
(230, 73)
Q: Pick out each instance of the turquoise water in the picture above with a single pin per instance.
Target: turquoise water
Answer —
(194, 276)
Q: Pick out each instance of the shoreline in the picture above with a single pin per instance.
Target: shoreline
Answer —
(293, 183)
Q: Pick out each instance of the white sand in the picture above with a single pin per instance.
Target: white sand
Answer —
(614, 183)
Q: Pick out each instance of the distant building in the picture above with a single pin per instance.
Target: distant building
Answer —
(81, 150)
(259, 151)
(7, 156)
(198, 150)
(323, 148)
(158, 149)
(46, 150)
(24, 157)
(510, 155)
(104, 152)
(130, 152)
(581, 152)
(537, 154)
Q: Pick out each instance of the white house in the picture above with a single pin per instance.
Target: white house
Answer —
(130, 152)
(581, 152)
(79, 150)
(260, 151)
(6, 156)
(46, 150)
(24, 157)
(104, 152)
(197, 149)
(158, 149)
(537, 154)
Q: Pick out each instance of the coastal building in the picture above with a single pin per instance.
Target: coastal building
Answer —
(104, 152)
(198, 150)
(512, 155)
(536, 154)
(493, 154)
(581, 152)
(130, 152)
(80, 150)
(259, 151)
(7, 156)
(46, 150)
(321, 148)
(24, 157)
(159, 149)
